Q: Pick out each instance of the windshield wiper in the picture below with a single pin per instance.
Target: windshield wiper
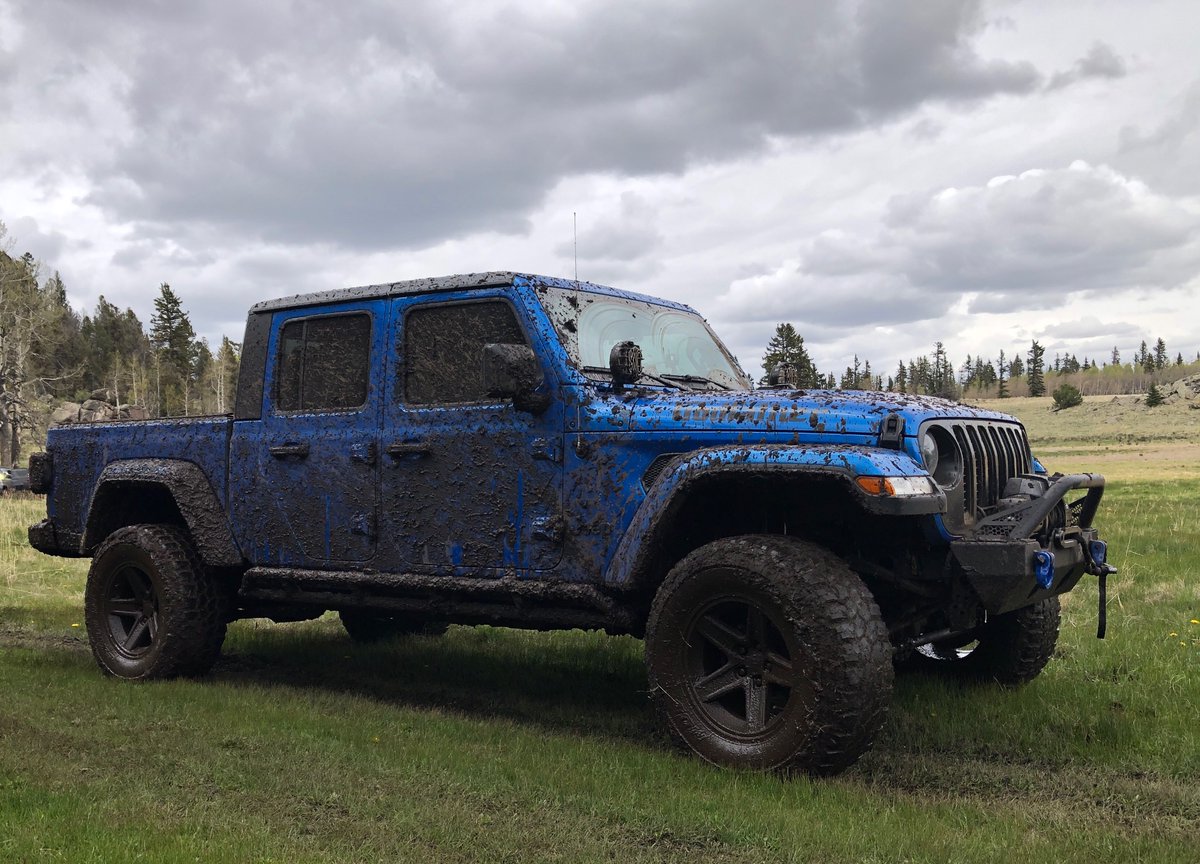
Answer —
(661, 380)
(695, 379)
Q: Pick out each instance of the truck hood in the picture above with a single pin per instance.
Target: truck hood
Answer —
(851, 412)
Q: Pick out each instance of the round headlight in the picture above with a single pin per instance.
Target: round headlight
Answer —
(929, 452)
(939, 450)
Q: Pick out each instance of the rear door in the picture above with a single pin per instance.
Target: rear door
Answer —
(305, 474)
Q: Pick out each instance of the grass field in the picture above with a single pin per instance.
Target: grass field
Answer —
(495, 745)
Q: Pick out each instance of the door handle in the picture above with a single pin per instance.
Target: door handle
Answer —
(283, 451)
(398, 449)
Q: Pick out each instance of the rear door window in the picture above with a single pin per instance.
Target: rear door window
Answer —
(324, 363)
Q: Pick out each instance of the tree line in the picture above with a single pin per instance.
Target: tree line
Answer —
(1026, 373)
(50, 354)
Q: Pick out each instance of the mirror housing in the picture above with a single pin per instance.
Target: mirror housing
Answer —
(625, 364)
(513, 371)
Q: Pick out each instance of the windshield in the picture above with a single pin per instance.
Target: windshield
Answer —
(677, 347)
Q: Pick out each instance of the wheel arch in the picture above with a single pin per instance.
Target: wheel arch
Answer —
(162, 491)
(707, 495)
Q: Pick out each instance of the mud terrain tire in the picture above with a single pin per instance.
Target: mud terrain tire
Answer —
(1012, 649)
(370, 627)
(769, 653)
(151, 607)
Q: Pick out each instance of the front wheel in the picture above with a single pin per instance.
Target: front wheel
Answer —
(769, 653)
(152, 609)
(1011, 649)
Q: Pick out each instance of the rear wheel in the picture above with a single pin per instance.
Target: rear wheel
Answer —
(768, 653)
(367, 627)
(152, 609)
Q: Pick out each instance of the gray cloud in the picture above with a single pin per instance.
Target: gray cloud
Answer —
(45, 246)
(623, 236)
(1024, 242)
(389, 126)
(1090, 327)
(1168, 154)
(1101, 61)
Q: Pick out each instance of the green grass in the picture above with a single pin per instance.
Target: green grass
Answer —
(497, 745)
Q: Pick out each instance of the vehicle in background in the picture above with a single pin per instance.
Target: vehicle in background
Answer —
(14, 480)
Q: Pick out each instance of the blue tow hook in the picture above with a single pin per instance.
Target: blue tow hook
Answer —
(1043, 568)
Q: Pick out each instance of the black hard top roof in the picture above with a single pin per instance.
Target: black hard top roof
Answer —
(390, 289)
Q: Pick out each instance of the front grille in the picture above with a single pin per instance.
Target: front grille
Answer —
(992, 453)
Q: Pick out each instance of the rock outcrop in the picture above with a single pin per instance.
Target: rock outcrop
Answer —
(1184, 390)
(99, 405)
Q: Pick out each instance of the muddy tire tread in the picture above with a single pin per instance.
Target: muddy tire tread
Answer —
(841, 626)
(192, 632)
(1017, 645)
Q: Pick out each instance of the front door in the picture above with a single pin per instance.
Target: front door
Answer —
(469, 483)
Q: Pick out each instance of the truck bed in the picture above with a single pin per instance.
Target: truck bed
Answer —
(81, 452)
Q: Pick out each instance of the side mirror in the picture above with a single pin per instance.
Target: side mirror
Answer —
(625, 364)
(513, 371)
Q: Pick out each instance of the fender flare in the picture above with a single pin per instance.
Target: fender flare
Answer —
(189, 487)
(835, 460)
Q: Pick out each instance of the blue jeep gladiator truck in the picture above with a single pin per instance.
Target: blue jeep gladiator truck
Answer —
(543, 453)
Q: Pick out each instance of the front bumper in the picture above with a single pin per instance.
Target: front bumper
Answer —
(1001, 560)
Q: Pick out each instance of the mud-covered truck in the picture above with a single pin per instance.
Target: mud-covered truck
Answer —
(543, 453)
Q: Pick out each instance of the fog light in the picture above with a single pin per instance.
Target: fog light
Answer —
(1098, 550)
(1043, 568)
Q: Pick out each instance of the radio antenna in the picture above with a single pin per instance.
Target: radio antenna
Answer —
(575, 233)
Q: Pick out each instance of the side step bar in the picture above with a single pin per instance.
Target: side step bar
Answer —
(505, 600)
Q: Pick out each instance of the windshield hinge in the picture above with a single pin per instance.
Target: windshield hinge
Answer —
(891, 431)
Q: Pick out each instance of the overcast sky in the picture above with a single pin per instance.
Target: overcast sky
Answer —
(882, 174)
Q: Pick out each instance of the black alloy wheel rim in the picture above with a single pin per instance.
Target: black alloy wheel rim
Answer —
(131, 607)
(741, 670)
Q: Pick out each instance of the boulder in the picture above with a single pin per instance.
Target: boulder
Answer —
(1184, 390)
(94, 409)
(68, 412)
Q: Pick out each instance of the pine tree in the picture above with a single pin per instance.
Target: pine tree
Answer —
(1035, 367)
(901, 378)
(1145, 359)
(942, 382)
(1116, 356)
(787, 346)
(1154, 397)
(58, 352)
(1160, 354)
(1001, 372)
(117, 353)
(175, 346)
